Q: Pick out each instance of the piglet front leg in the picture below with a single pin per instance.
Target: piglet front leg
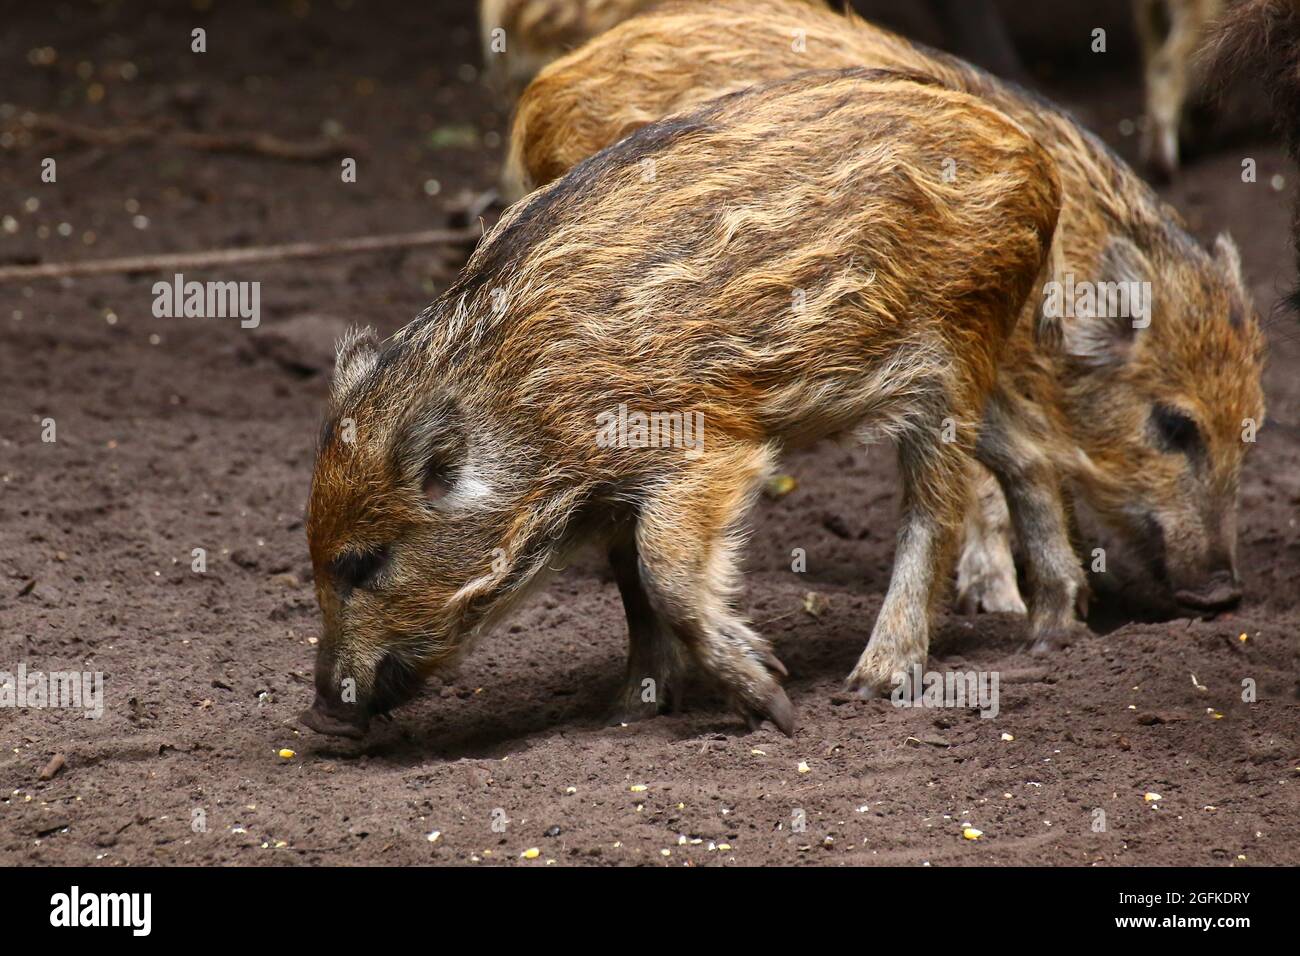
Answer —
(686, 542)
(934, 475)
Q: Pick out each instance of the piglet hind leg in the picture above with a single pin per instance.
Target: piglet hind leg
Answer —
(1058, 590)
(934, 493)
(686, 538)
(986, 570)
(652, 684)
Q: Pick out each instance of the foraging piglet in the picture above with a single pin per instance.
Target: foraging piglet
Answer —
(781, 265)
(1141, 415)
(521, 36)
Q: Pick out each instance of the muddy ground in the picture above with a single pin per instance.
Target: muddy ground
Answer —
(176, 434)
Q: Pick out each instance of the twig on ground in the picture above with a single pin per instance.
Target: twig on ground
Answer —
(229, 257)
(163, 134)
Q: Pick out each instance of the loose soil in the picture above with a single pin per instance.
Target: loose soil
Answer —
(176, 434)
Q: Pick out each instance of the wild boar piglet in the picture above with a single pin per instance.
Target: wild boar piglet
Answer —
(629, 350)
(1134, 374)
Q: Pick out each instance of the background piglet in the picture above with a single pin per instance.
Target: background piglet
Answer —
(520, 37)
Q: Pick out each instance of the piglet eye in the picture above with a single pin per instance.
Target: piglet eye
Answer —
(1176, 431)
(357, 569)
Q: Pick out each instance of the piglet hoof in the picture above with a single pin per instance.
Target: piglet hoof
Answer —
(775, 707)
(1158, 150)
(990, 594)
(631, 708)
(1050, 640)
(864, 691)
(877, 676)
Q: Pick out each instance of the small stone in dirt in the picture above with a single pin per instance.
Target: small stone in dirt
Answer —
(54, 766)
(48, 827)
(553, 831)
(477, 776)
(287, 580)
(244, 559)
(47, 595)
(837, 526)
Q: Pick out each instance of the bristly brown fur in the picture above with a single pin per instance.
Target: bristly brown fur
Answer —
(788, 263)
(1093, 387)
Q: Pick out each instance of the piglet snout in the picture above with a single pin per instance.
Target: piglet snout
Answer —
(335, 719)
(1219, 592)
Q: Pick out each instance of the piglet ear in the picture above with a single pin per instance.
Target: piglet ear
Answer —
(429, 447)
(1105, 325)
(1228, 257)
(354, 358)
(437, 482)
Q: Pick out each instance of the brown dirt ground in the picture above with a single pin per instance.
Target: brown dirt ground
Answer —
(175, 434)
